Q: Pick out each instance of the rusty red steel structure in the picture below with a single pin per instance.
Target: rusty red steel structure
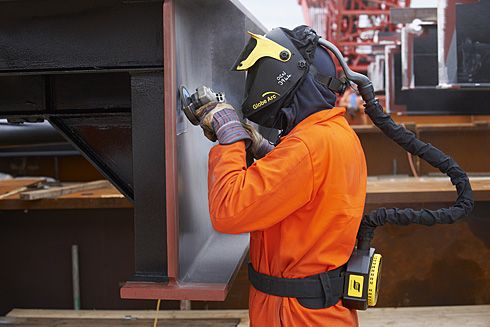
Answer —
(352, 25)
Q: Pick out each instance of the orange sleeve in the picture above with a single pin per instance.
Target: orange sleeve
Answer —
(243, 200)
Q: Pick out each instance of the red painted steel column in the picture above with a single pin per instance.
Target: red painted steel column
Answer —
(170, 103)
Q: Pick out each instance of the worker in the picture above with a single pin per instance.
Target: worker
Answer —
(302, 200)
(351, 101)
(354, 107)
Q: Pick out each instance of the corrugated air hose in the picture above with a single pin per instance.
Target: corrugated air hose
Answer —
(433, 156)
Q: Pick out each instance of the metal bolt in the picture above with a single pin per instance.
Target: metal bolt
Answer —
(302, 64)
(284, 55)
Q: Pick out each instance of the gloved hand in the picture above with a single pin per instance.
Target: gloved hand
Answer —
(203, 112)
(220, 122)
(260, 146)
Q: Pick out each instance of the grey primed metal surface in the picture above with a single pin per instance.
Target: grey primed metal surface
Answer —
(209, 36)
(463, 44)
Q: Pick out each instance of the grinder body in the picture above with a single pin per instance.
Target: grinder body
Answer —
(201, 97)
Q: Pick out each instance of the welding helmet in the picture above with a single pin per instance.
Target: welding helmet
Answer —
(276, 65)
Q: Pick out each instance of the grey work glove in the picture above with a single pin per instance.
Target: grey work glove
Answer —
(260, 146)
(220, 122)
(203, 112)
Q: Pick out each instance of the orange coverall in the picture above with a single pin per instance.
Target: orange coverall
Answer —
(302, 204)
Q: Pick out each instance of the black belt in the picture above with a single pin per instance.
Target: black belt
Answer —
(317, 291)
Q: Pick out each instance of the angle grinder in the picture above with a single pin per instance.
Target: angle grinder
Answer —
(202, 96)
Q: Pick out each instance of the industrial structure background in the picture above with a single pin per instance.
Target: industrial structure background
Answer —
(89, 91)
(356, 27)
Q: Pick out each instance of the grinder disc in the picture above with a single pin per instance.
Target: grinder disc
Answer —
(186, 102)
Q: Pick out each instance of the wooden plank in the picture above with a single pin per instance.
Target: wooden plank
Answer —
(56, 322)
(128, 314)
(55, 192)
(13, 192)
(451, 316)
(453, 127)
(101, 193)
(103, 198)
(364, 129)
(421, 184)
(432, 127)
(9, 187)
(238, 318)
(421, 190)
(380, 191)
(439, 119)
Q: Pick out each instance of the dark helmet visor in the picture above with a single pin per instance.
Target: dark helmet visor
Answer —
(274, 67)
